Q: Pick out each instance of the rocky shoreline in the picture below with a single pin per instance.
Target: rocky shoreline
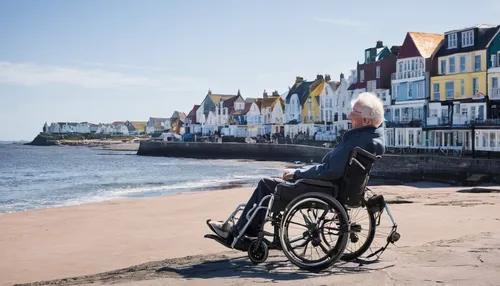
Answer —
(104, 143)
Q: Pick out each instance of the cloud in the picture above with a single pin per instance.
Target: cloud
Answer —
(341, 22)
(125, 66)
(29, 74)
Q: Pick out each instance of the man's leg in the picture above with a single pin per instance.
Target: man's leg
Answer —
(265, 187)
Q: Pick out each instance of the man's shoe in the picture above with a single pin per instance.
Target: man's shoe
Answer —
(220, 228)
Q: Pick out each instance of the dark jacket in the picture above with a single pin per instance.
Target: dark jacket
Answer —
(334, 163)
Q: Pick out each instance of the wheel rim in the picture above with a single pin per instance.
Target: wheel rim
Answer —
(315, 217)
(361, 227)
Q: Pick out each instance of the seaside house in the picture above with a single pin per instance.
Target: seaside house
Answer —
(458, 87)
(93, 127)
(212, 113)
(105, 129)
(234, 123)
(119, 128)
(157, 125)
(336, 106)
(67, 127)
(254, 119)
(177, 122)
(190, 123)
(487, 132)
(272, 113)
(410, 89)
(318, 107)
(136, 127)
(374, 75)
(294, 103)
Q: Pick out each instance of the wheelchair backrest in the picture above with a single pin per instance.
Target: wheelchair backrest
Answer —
(356, 176)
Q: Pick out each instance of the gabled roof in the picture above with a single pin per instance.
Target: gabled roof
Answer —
(192, 113)
(217, 97)
(136, 125)
(301, 88)
(250, 99)
(482, 37)
(269, 101)
(426, 43)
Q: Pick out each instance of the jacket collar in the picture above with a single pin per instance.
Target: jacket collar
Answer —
(352, 132)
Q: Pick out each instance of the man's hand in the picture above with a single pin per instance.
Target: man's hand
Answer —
(288, 175)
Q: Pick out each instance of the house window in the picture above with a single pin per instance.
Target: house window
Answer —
(462, 87)
(494, 62)
(443, 66)
(436, 91)
(494, 82)
(452, 41)
(475, 86)
(467, 39)
(462, 63)
(477, 63)
(410, 88)
(450, 89)
(362, 75)
(451, 62)
(378, 72)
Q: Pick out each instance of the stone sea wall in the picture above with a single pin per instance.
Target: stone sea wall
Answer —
(390, 166)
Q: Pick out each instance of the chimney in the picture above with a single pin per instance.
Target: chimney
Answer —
(327, 77)
(319, 77)
(264, 95)
(380, 44)
(341, 76)
(275, 93)
(299, 79)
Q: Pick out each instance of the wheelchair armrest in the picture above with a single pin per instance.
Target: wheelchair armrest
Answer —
(315, 182)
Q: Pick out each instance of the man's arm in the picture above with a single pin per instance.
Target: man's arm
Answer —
(330, 169)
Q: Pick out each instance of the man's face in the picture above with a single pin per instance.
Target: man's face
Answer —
(355, 116)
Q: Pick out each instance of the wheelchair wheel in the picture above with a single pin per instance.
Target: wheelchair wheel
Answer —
(362, 234)
(258, 252)
(304, 222)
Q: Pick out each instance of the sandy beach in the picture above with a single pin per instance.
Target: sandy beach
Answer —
(450, 236)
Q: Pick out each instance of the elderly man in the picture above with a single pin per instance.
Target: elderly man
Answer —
(366, 117)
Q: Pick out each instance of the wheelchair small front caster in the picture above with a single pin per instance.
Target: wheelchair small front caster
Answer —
(394, 237)
(258, 252)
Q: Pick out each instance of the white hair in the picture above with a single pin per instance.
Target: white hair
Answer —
(372, 107)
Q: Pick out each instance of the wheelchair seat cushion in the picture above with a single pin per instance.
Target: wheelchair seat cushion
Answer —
(286, 192)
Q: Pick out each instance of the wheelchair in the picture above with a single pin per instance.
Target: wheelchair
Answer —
(322, 207)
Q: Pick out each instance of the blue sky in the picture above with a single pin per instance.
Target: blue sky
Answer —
(105, 61)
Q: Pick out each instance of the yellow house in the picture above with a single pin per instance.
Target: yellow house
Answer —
(459, 80)
(458, 86)
(311, 111)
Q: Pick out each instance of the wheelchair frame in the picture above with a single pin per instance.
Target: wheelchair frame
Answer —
(258, 249)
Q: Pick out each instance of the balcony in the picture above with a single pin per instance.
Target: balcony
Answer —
(486, 122)
(438, 121)
(494, 93)
(404, 123)
(408, 74)
(460, 119)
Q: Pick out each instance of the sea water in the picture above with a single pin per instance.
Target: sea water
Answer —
(34, 177)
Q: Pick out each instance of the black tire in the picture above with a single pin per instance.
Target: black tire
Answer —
(347, 256)
(336, 251)
(258, 253)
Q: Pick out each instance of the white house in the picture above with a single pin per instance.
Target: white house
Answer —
(157, 124)
(119, 128)
(254, 118)
(272, 113)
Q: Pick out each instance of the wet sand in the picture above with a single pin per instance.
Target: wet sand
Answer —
(448, 236)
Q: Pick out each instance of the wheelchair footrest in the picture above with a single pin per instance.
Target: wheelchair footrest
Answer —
(242, 246)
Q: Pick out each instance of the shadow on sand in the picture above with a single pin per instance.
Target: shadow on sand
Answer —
(276, 268)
